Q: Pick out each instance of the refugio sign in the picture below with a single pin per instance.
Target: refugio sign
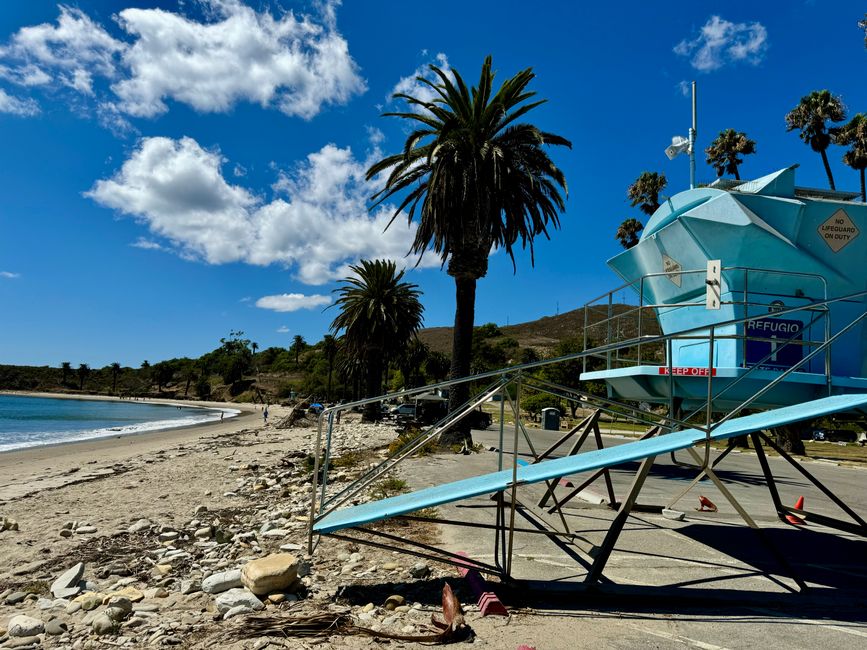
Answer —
(782, 356)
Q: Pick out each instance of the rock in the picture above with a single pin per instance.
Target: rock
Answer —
(155, 592)
(22, 625)
(91, 601)
(73, 607)
(23, 642)
(15, 597)
(67, 584)
(130, 593)
(66, 532)
(203, 533)
(276, 599)
(85, 530)
(190, 586)
(236, 611)
(275, 532)
(390, 566)
(103, 624)
(2, 631)
(394, 601)
(419, 570)
(675, 515)
(140, 526)
(369, 607)
(272, 573)
(235, 597)
(163, 569)
(56, 627)
(121, 603)
(219, 582)
(200, 509)
(290, 547)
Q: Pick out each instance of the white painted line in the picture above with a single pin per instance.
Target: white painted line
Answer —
(693, 643)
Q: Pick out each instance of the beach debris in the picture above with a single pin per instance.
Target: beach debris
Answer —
(270, 574)
(23, 625)
(69, 582)
(7, 523)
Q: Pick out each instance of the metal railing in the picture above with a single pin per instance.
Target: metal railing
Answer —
(500, 381)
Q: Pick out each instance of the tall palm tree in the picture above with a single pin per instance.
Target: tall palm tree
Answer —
(65, 369)
(811, 116)
(722, 154)
(478, 179)
(329, 349)
(628, 231)
(644, 192)
(863, 25)
(379, 315)
(115, 371)
(298, 344)
(854, 134)
(83, 372)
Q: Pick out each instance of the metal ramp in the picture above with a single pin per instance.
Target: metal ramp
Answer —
(592, 460)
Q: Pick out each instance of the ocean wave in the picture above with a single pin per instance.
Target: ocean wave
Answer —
(45, 438)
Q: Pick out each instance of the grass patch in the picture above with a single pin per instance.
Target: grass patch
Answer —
(427, 513)
(349, 460)
(406, 437)
(388, 487)
(38, 587)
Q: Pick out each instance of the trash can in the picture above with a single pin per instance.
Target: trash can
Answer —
(551, 419)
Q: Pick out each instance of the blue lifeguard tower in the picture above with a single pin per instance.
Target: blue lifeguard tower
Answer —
(788, 266)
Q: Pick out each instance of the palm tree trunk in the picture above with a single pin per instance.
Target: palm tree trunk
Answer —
(328, 392)
(373, 411)
(789, 439)
(462, 349)
(737, 174)
(827, 169)
(863, 193)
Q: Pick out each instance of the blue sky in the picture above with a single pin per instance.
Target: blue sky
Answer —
(172, 170)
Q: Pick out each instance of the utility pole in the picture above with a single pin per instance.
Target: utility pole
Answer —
(692, 133)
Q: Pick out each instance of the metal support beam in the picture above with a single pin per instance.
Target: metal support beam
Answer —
(617, 525)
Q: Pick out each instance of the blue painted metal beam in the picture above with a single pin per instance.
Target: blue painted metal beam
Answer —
(588, 461)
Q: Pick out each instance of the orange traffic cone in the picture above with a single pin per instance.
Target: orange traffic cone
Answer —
(706, 505)
(795, 519)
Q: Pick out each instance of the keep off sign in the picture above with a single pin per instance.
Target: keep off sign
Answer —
(687, 372)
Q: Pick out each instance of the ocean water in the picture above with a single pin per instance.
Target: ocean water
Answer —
(34, 421)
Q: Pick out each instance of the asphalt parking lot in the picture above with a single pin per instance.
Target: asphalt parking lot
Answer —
(708, 581)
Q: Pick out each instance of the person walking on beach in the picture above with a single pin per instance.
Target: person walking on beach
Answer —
(222, 413)
(265, 415)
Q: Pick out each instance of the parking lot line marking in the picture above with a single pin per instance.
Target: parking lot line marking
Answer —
(694, 643)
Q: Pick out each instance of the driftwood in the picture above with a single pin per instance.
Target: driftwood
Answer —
(452, 628)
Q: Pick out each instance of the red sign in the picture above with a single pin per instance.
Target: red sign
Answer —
(687, 372)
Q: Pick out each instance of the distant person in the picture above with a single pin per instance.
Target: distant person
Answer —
(265, 415)
(221, 415)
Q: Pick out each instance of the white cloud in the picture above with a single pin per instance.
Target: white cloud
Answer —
(282, 330)
(15, 106)
(292, 302)
(295, 64)
(410, 85)
(317, 224)
(147, 244)
(9, 275)
(720, 42)
(684, 88)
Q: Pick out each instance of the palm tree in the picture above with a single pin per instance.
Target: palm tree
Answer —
(379, 315)
(863, 25)
(644, 192)
(115, 371)
(628, 231)
(722, 154)
(65, 369)
(83, 372)
(298, 344)
(329, 348)
(410, 363)
(854, 133)
(811, 116)
(437, 366)
(479, 179)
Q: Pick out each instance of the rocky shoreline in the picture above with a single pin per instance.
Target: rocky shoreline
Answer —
(175, 547)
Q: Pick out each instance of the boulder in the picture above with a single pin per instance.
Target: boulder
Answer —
(223, 581)
(272, 573)
(22, 625)
(235, 598)
(68, 583)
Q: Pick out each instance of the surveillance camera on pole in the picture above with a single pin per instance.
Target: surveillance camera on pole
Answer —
(679, 144)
